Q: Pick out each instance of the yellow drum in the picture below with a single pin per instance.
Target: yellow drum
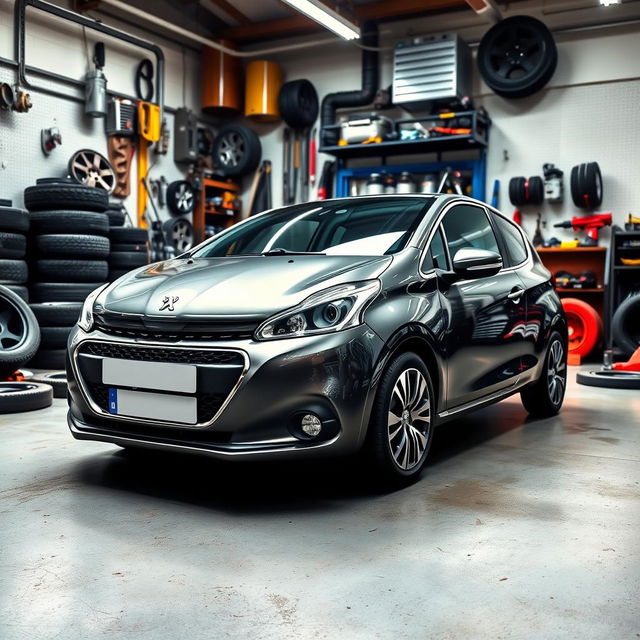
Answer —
(263, 80)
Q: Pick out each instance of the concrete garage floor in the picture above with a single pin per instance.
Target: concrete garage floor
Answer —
(517, 529)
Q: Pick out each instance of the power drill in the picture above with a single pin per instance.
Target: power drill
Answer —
(592, 224)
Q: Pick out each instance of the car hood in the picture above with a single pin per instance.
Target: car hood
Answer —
(243, 288)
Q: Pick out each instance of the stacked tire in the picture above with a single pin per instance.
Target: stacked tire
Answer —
(129, 250)
(70, 248)
(14, 273)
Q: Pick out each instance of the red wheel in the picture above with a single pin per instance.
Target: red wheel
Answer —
(584, 326)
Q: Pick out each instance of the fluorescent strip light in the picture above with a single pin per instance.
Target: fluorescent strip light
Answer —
(326, 17)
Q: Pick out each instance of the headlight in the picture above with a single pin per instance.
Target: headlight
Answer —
(325, 312)
(85, 322)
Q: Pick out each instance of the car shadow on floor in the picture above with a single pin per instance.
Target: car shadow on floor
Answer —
(259, 487)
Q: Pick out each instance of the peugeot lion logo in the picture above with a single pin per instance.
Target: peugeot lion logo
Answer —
(168, 302)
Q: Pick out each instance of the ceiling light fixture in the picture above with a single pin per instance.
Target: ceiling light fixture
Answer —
(327, 17)
(607, 3)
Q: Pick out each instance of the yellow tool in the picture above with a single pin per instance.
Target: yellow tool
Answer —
(570, 244)
(630, 262)
(148, 132)
(633, 223)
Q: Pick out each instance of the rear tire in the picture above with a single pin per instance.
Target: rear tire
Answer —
(544, 397)
(401, 428)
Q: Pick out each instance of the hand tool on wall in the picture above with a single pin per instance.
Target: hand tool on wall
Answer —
(286, 165)
(538, 240)
(50, 139)
(591, 224)
(325, 186)
(632, 223)
(148, 132)
(296, 166)
(312, 158)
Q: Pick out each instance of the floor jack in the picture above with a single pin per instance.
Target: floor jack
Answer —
(614, 375)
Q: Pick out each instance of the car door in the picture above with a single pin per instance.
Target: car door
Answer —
(483, 353)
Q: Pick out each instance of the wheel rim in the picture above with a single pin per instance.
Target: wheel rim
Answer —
(12, 326)
(184, 198)
(409, 419)
(576, 331)
(93, 170)
(231, 149)
(182, 236)
(556, 372)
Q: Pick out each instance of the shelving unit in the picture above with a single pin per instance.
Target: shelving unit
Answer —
(476, 141)
(576, 260)
(205, 212)
(622, 279)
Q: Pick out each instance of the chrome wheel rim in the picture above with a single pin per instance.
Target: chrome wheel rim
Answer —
(182, 236)
(231, 150)
(93, 170)
(409, 419)
(556, 372)
(184, 198)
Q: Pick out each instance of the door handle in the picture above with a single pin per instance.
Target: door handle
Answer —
(515, 294)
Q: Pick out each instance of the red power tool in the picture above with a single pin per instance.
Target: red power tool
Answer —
(592, 225)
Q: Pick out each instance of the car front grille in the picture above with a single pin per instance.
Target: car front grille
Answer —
(220, 369)
(160, 354)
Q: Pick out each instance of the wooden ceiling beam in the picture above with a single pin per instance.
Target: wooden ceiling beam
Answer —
(384, 9)
(232, 11)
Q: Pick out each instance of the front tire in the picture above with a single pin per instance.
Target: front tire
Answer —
(544, 397)
(401, 426)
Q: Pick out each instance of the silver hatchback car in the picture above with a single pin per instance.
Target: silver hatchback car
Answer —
(322, 329)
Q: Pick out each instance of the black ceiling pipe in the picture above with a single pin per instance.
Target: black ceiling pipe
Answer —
(365, 96)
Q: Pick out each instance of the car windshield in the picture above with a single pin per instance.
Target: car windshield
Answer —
(351, 227)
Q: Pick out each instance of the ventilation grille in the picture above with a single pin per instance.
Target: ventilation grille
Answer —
(427, 69)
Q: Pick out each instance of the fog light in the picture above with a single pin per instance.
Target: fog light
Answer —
(311, 425)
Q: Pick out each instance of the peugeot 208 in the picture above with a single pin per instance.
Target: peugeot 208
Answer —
(322, 329)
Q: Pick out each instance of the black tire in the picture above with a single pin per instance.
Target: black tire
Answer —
(56, 314)
(539, 398)
(609, 379)
(65, 196)
(51, 359)
(535, 190)
(298, 104)
(128, 248)
(128, 260)
(128, 235)
(114, 274)
(116, 217)
(68, 222)
(13, 272)
(16, 397)
(517, 191)
(379, 441)
(64, 180)
(73, 245)
(236, 150)
(16, 220)
(21, 291)
(61, 291)
(19, 332)
(12, 245)
(5, 203)
(54, 337)
(586, 185)
(79, 270)
(57, 380)
(517, 56)
(625, 326)
(181, 198)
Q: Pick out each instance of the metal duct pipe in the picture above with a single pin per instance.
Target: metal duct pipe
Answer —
(365, 96)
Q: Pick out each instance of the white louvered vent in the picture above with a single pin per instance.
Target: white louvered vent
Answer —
(431, 68)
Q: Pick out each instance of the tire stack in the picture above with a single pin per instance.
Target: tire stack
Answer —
(129, 246)
(14, 224)
(70, 244)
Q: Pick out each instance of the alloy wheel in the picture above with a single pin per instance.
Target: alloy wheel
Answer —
(92, 169)
(12, 326)
(409, 419)
(232, 149)
(556, 372)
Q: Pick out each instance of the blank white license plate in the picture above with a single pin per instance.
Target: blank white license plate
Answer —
(161, 376)
(154, 406)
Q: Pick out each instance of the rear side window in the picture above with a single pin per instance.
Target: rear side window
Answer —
(437, 253)
(516, 248)
(468, 227)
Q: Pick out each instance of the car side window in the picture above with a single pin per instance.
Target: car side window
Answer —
(468, 227)
(436, 257)
(513, 241)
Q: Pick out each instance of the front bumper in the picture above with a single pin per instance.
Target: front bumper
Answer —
(331, 375)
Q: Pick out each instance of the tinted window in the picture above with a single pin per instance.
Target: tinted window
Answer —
(516, 249)
(468, 227)
(437, 255)
(351, 227)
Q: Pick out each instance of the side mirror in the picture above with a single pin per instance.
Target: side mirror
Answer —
(476, 263)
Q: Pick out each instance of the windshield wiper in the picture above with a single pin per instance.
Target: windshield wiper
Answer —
(278, 251)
